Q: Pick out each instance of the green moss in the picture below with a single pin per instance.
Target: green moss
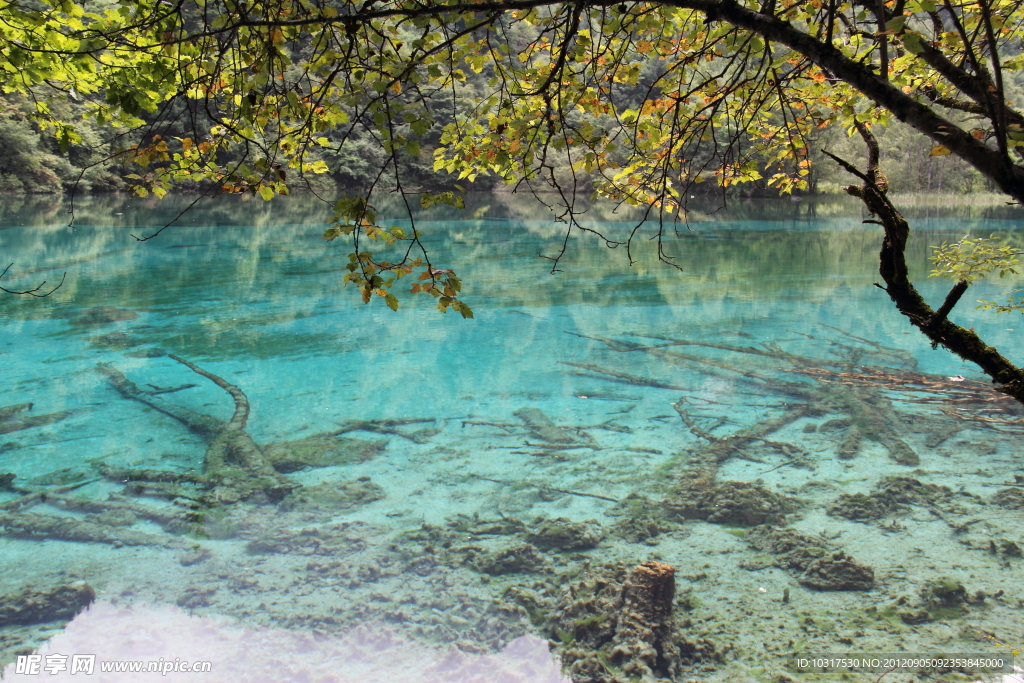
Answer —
(888, 614)
(590, 621)
(943, 613)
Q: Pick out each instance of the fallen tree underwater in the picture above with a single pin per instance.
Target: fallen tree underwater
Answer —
(234, 469)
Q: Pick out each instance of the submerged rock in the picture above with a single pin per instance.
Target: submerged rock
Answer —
(1010, 498)
(838, 572)
(731, 502)
(37, 607)
(563, 534)
(938, 600)
(891, 494)
(516, 559)
(859, 507)
(812, 559)
(320, 451)
(333, 496)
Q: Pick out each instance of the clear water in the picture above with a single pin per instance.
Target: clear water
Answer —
(564, 399)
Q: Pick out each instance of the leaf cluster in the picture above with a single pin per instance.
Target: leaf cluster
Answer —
(969, 260)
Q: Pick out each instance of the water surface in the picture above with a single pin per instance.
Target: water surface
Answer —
(450, 478)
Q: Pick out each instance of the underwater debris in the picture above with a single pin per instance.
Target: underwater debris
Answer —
(7, 412)
(812, 559)
(234, 467)
(8, 424)
(391, 427)
(644, 524)
(151, 352)
(730, 502)
(846, 387)
(872, 416)
(333, 497)
(706, 459)
(116, 341)
(545, 487)
(104, 315)
(938, 600)
(1010, 498)
(594, 371)
(541, 427)
(59, 478)
(563, 534)
(37, 607)
(320, 450)
(890, 495)
(64, 528)
(517, 559)
(618, 623)
(838, 572)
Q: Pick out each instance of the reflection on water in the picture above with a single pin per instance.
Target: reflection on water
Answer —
(680, 473)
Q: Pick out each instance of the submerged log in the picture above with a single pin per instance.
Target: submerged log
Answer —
(234, 466)
(543, 428)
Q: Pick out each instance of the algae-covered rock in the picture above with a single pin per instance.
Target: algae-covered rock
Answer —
(474, 526)
(791, 549)
(812, 559)
(330, 540)
(641, 529)
(1010, 498)
(563, 534)
(642, 520)
(910, 491)
(938, 600)
(890, 495)
(859, 507)
(731, 502)
(838, 572)
(516, 559)
(320, 451)
(58, 478)
(115, 518)
(333, 496)
(37, 607)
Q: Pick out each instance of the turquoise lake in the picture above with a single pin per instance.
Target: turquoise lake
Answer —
(411, 496)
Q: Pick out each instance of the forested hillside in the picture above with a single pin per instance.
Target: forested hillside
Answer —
(33, 162)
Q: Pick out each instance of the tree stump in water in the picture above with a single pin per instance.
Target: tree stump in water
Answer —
(614, 624)
(645, 638)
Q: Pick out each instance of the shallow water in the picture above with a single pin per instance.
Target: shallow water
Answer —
(594, 394)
